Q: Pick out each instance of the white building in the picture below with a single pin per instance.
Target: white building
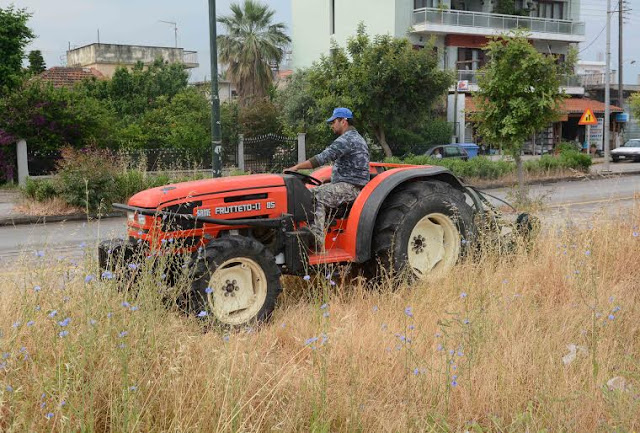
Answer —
(458, 28)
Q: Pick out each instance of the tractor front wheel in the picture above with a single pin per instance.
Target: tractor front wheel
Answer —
(422, 228)
(236, 281)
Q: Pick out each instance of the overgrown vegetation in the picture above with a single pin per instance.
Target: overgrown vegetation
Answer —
(544, 340)
(481, 168)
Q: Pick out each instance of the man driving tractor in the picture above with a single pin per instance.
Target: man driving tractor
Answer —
(350, 173)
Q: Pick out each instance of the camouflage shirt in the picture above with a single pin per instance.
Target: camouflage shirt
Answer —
(351, 155)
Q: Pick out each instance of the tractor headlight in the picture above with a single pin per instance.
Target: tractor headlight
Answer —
(142, 220)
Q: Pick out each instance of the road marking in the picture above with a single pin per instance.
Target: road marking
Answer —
(582, 203)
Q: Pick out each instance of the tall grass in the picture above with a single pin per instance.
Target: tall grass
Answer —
(478, 350)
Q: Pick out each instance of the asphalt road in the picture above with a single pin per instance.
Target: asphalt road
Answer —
(563, 202)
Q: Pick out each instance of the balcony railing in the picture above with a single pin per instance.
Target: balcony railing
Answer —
(485, 20)
(190, 57)
(565, 80)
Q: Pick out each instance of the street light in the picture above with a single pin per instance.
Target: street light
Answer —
(216, 142)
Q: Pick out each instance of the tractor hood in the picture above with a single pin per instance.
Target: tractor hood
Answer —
(167, 195)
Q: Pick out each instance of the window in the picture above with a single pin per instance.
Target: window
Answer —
(470, 59)
(451, 151)
(419, 4)
(550, 9)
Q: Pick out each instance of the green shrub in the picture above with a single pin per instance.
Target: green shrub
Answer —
(478, 167)
(576, 160)
(39, 189)
(568, 145)
(568, 159)
(86, 178)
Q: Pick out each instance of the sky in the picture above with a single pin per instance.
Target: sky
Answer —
(60, 23)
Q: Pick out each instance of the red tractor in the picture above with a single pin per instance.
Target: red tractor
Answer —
(241, 233)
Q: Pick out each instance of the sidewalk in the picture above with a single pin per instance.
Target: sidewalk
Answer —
(9, 198)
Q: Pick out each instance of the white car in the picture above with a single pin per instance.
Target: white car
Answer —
(630, 150)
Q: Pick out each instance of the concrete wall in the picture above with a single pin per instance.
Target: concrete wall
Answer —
(312, 23)
(116, 55)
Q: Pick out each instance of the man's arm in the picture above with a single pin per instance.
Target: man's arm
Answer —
(339, 147)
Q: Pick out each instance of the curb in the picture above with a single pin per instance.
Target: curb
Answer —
(26, 219)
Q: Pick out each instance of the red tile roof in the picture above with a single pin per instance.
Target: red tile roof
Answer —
(569, 106)
(286, 73)
(68, 77)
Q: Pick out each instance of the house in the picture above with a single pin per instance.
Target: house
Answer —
(459, 29)
(106, 58)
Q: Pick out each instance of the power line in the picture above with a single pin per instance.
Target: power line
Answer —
(599, 34)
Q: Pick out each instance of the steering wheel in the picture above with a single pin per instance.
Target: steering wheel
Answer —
(305, 178)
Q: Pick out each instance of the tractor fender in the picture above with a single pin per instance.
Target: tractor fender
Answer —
(366, 208)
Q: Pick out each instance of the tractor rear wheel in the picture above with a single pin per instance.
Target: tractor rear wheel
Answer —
(236, 281)
(422, 228)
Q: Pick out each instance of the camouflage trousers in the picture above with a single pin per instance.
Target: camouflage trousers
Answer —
(330, 196)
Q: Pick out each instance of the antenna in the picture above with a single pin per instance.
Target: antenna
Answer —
(175, 29)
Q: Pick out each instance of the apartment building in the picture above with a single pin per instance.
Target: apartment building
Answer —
(458, 29)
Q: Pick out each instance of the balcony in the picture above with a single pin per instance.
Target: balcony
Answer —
(571, 84)
(450, 21)
(190, 59)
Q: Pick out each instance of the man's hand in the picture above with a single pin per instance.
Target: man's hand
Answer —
(302, 166)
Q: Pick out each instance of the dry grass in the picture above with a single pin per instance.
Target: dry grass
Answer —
(480, 350)
(49, 207)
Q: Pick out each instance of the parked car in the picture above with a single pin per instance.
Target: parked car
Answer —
(448, 151)
(629, 150)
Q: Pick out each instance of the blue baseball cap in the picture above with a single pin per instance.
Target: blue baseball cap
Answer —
(340, 112)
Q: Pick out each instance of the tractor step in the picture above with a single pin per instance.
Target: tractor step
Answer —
(333, 255)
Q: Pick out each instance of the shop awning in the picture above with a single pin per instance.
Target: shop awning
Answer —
(570, 106)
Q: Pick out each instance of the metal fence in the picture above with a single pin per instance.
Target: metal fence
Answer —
(267, 153)
(262, 154)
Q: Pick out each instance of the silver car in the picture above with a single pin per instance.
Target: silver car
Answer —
(628, 151)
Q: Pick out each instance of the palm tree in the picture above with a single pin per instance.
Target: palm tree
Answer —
(252, 44)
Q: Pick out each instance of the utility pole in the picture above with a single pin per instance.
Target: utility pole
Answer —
(216, 140)
(607, 92)
(620, 59)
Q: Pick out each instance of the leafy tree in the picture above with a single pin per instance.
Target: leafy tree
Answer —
(36, 62)
(133, 92)
(15, 35)
(385, 81)
(182, 122)
(519, 95)
(262, 117)
(252, 44)
(48, 118)
(634, 103)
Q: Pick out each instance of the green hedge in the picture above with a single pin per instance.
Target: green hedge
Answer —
(484, 168)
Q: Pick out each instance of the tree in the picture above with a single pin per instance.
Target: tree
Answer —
(387, 83)
(36, 63)
(519, 95)
(49, 118)
(634, 103)
(15, 35)
(133, 92)
(250, 48)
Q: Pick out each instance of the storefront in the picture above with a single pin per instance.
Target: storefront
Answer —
(566, 129)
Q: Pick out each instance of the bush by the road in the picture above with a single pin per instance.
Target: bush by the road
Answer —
(479, 167)
(484, 168)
